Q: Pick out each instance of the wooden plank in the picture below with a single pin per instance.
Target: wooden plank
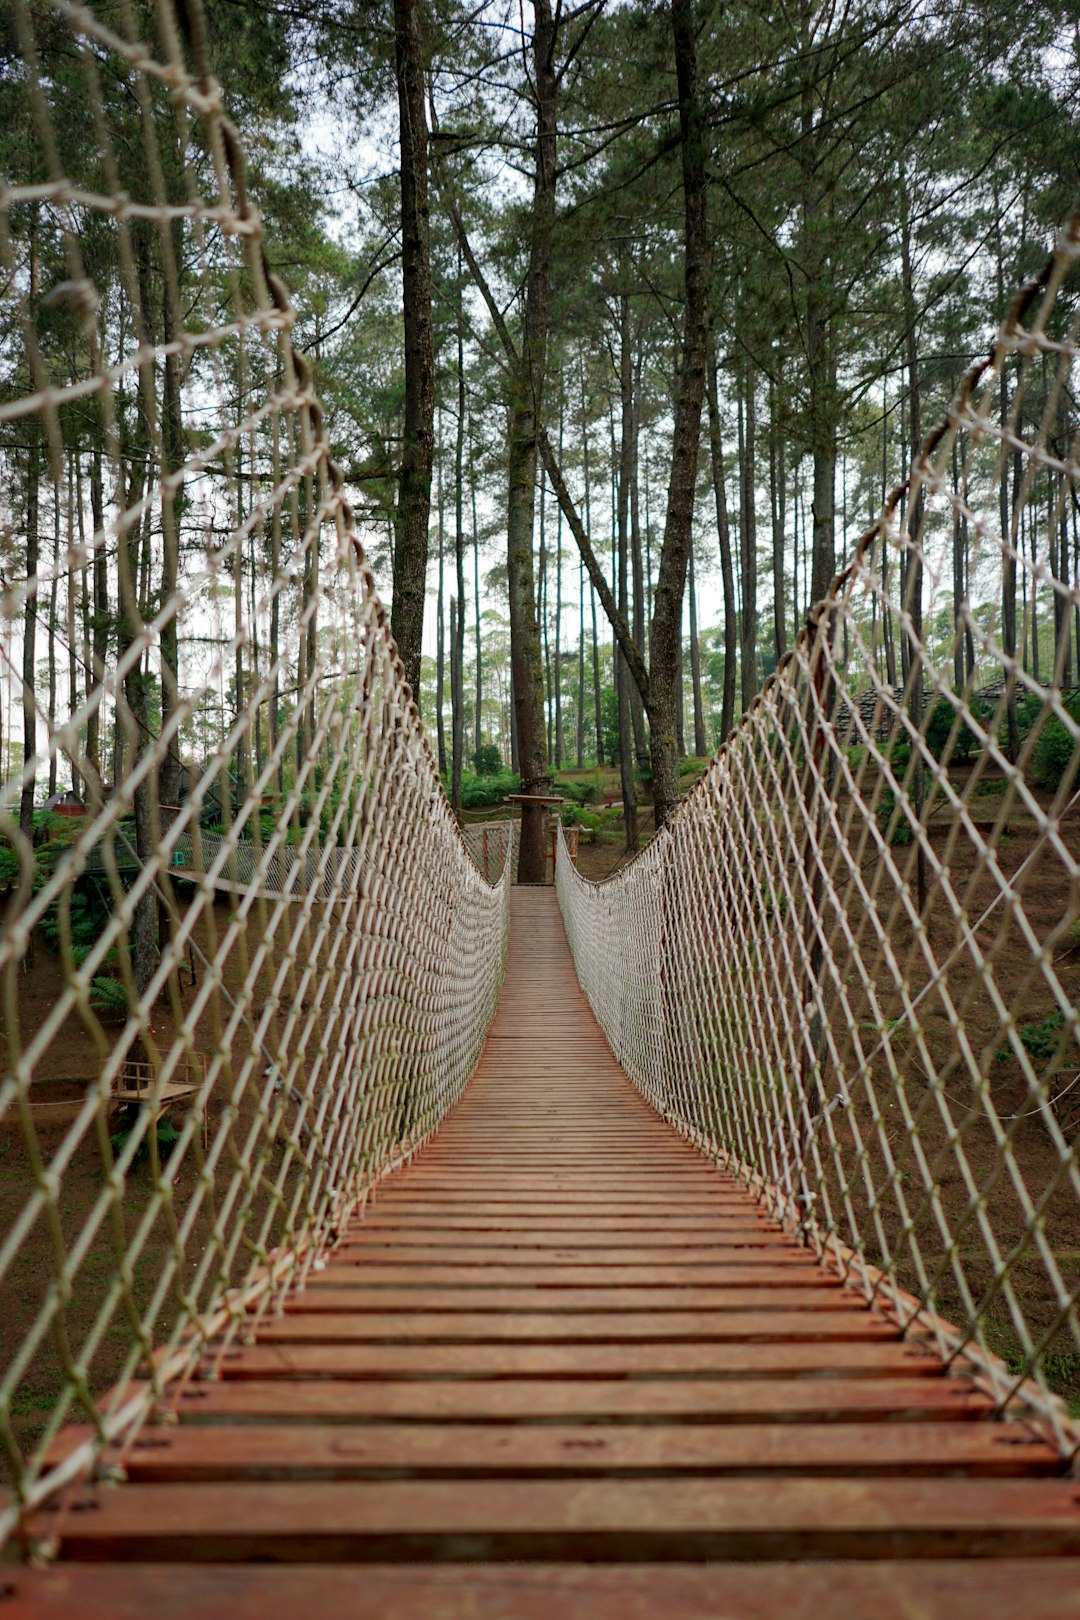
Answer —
(616, 1263)
(628, 1520)
(536, 1185)
(953, 1589)
(656, 1283)
(391, 1200)
(386, 1224)
(630, 1164)
(633, 1360)
(537, 1246)
(898, 1399)
(364, 1296)
(434, 1450)
(714, 1327)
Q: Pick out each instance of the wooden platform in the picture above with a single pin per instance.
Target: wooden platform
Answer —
(567, 1369)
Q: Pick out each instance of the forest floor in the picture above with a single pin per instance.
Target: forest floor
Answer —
(92, 1231)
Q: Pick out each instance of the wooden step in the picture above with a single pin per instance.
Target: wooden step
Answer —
(437, 1450)
(506, 1399)
(625, 1520)
(493, 1359)
(941, 1589)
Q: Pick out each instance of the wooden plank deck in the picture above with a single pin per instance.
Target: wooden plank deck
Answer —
(565, 1367)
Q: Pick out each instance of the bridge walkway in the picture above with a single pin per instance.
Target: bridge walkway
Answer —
(565, 1367)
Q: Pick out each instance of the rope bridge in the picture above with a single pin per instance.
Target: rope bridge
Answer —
(836, 1322)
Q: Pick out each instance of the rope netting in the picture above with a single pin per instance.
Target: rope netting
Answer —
(247, 960)
(849, 969)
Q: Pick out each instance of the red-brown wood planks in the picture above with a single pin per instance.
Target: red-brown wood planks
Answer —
(434, 1450)
(626, 1360)
(624, 1520)
(507, 1399)
(561, 1338)
(946, 1589)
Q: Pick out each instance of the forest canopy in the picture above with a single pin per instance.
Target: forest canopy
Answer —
(625, 318)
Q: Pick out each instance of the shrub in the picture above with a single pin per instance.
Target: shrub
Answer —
(477, 791)
(9, 868)
(1040, 1040)
(939, 729)
(1028, 709)
(166, 1133)
(900, 758)
(576, 792)
(89, 915)
(488, 760)
(898, 832)
(1053, 754)
(574, 815)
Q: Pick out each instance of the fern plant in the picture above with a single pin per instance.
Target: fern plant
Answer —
(109, 996)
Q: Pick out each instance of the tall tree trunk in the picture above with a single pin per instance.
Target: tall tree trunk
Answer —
(623, 683)
(101, 615)
(560, 741)
(414, 481)
(542, 614)
(598, 719)
(823, 554)
(647, 649)
(820, 359)
(778, 487)
(665, 641)
(598, 708)
(959, 582)
(457, 630)
(526, 414)
(1059, 565)
(886, 610)
(276, 583)
(479, 725)
(29, 649)
(172, 444)
(144, 929)
(440, 616)
(581, 669)
(457, 708)
(637, 707)
(1008, 516)
(680, 713)
(53, 593)
(748, 531)
(1075, 526)
(243, 754)
(700, 745)
(256, 651)
(69, 600)
(727, 571)
(1033, 536)
(913, 592)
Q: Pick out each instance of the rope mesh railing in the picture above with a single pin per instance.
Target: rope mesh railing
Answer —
(251, 943)
(849, 969)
